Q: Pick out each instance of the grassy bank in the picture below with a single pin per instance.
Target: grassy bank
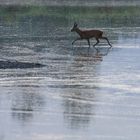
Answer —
(109, 16)
(69, 12)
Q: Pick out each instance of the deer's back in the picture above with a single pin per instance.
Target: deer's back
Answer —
(91, 33)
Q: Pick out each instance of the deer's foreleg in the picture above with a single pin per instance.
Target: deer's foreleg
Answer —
(76, 40)
(88, 42)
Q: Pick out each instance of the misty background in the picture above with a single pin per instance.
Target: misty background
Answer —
(72, 2)
(53, 90)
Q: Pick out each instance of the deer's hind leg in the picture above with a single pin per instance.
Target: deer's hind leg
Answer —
(88, 42)
(106, 40)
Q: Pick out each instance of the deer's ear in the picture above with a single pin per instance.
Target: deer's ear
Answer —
(75, 24)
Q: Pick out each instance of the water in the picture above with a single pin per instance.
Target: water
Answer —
(73, 94)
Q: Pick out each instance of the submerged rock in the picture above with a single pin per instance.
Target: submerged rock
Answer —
(20, 65)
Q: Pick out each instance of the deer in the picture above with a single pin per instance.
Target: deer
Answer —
(88, 34)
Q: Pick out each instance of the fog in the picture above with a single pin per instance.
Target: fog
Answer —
(72, 2)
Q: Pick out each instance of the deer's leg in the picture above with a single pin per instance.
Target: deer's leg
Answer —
(88, 42)
(76, 40)
(107, 41)
(96, 44)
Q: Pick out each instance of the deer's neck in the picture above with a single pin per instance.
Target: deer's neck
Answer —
(78, 31)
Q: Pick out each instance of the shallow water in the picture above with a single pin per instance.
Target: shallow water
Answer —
(77, 94)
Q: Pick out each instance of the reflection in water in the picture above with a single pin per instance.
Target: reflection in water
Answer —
(22, 106)
(91, 54)
(77, 98)
(103, 52)
(1, 137)
(86, 89)
(77, 110)
(26, 101)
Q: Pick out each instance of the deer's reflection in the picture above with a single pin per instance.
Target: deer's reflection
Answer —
(77, 109)
(103, 51)
(90, 52)
(78, 101)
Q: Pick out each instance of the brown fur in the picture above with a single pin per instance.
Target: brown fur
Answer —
(88, 34)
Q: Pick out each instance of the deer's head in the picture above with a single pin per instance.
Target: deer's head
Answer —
(74, 27)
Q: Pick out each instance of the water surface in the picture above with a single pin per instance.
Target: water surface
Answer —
(76, 94)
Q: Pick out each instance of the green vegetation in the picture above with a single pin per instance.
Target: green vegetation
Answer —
(10, 13)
